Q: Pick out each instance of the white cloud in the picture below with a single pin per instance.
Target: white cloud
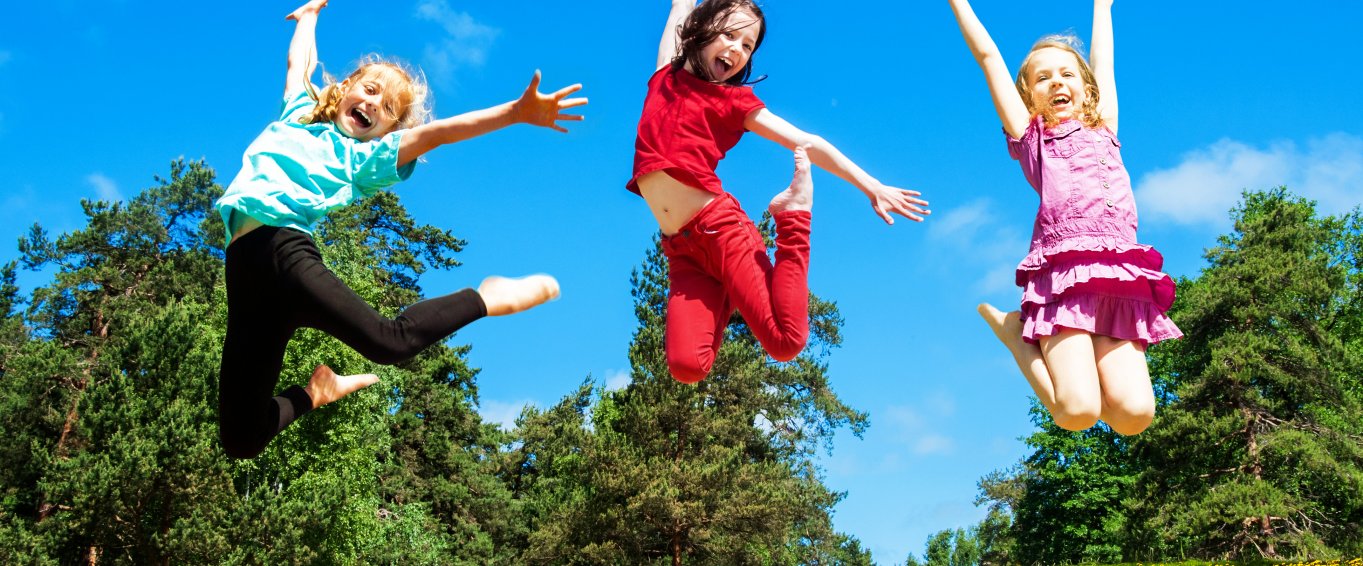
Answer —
(1000, 280)
(1207, 183)
(616, 380)
(502, 413)
(105, 188)
(933, 444)
(977, 231)
(915, 428)
(465, 44)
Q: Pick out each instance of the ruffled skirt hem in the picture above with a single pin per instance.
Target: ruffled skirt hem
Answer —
(1119, 293)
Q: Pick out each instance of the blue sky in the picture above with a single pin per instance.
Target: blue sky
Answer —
(1216, 97)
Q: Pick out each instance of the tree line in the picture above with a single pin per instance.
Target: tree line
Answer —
(108, 403)
(109, 454)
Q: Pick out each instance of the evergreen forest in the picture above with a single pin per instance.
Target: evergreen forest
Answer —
(109, 452)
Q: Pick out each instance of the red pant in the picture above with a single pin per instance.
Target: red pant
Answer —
(718, 262)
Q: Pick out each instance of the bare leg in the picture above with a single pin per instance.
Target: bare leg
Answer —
(504, 295)
(326, 386)
(1128, 397)
(1008, 328)
(1074, 373)
(800, 194)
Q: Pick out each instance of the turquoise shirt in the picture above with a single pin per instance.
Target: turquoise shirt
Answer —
(294, 173)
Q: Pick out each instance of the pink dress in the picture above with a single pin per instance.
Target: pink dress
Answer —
(1085, 269)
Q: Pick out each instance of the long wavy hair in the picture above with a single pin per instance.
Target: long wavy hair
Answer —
(405, 95)
(705, 24)
(1088, 113)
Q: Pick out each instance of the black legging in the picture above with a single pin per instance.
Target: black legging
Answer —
(276, 284)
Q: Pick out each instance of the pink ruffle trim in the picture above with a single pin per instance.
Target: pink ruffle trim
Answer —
(1100, 284)
(1121, 318)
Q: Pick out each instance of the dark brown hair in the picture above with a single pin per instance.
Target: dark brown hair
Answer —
(704, 25)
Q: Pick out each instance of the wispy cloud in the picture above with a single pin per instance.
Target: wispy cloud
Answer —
(617, 379)
(501, 412)
(1208, 182)
(915, 427)
(988, 237)
(105, 188)
(465, 44)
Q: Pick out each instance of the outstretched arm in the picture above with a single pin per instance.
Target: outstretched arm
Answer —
(1100, 59)
(303, 46)
(1007, 102)
(884, 198)
(533, 107)
(667, 48)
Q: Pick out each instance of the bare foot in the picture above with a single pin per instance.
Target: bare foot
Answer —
(800, 194)
(505, 295)
(1008, 328)
(326, 386)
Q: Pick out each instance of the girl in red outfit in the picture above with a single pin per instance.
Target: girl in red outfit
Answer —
(697, 108)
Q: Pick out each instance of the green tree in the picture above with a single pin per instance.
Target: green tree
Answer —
(108, 397)
(716, 473)
(1260, 453)
(950, 548)
(1070, 509)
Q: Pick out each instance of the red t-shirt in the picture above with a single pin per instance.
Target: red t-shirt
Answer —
(687, 127)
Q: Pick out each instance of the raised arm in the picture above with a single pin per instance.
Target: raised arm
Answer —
(1007, 102)
(303, 46)
(884, 198)
(533, 107)
(1100, 59)
(667, 48)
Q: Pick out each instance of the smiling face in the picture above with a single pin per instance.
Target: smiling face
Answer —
(1056, 83)
(729, 52)
(369, 108)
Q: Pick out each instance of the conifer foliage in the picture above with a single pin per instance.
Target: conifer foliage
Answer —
(108, 404)
(1256, 451)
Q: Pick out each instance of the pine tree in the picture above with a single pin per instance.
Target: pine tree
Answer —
(716, 473)
(108, 395)
(1260, 452)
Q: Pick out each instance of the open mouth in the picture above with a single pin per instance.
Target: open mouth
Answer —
(722, 65)
(1060, 101)
(361, 118)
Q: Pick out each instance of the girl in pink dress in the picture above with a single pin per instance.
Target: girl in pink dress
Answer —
(1093, 298)
(697, 108)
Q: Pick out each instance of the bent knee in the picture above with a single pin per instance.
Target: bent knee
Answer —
(1128, 424)
(687, 374)
(1075, 418)
(240, 448)
(786, 350)
(689, 369)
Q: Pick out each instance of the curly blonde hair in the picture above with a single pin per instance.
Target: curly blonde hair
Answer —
(1088, 113)
(405, 95)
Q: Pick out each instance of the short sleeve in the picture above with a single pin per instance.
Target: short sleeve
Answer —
(743, 102)
(375, 164)
(296, 105)
(1017, 147)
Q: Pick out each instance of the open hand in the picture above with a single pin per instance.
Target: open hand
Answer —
(313, 7)
(886, 199)
(545, 110)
